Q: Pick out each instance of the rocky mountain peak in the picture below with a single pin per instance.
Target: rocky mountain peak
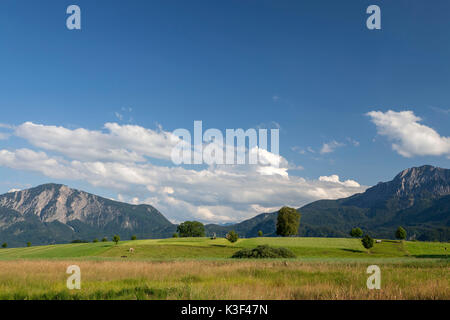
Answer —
(424, 179)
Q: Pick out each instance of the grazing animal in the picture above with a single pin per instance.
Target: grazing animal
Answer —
(131, 250)
(378, 241)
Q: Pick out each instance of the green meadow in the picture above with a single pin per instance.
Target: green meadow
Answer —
(201, 268)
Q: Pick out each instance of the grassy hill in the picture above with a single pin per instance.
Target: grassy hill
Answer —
(205, 248)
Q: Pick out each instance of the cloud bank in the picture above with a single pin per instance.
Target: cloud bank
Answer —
(121, 158)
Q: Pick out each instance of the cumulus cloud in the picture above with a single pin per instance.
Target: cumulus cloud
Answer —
(118, 159)
(409, 137)
(116, 143)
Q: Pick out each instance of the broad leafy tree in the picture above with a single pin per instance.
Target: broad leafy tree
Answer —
(288, 222)
(232, 236)
(116, 239)
(400, 233)
(367, 242)
(356, 232)
(191, 229)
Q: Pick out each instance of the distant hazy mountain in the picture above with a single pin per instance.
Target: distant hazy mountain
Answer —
(417, 198)
(54, 213)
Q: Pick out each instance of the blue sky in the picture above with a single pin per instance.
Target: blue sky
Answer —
(310, 67)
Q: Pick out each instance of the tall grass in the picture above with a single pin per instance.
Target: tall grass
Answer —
(222, 279)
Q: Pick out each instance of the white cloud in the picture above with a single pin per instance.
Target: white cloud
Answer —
(298, 150)
(409, 137)
(119, 143)
(310, 150)
(354, 142)
(330, 146)
(119, 116)
(117, 160)
(335, 179)
(441, 110)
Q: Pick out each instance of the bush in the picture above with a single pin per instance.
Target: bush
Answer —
(264, 252)
(79, 241)
(400, 233)
(191, 229)
(105, 239)
(4, 245)
(367, 242)
(28, 244)
(260, 233)
(356, 232)
(116, 239)
(232, 236)
(133, 237)
(95, 240)
(175, 235)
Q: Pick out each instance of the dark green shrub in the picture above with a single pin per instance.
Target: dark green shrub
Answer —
(95, 240)
(28, 244)
(133, 237)
(367, 242)
(116, 239)
(79, 241)
(4, 245)
(105, 239)
(356, 232)
(175, 235)
(264, 252)
(260, 233)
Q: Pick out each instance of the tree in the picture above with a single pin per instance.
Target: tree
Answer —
(260, 233)
(367, 242)
(105, 239)
(288, 222)
(133, 237)
(175, 235)
(191, 229)
(356, 232)
(232, 236)
(116, 239)
(400, 233)
(28, 244)
(4, 245)
(95, 240)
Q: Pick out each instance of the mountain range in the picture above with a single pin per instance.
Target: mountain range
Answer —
(417, 199)
(54, 213)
